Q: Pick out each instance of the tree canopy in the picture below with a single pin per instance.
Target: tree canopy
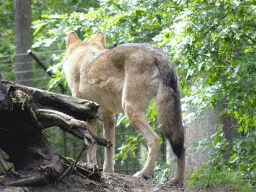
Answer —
(210, 42)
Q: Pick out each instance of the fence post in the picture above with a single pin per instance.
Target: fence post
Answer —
(23, 35)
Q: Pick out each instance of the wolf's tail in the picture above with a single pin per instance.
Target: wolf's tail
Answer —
(168, 105)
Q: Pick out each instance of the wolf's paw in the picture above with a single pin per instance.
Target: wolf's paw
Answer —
(176, 181)
(144, 175)
(108, 170)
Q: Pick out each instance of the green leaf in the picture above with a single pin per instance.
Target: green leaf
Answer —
(217, 140)
(252, 157)
(38, 27)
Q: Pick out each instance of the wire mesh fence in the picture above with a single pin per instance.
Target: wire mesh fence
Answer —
(40, 77)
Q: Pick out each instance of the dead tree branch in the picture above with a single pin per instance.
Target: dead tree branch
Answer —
(24, 113)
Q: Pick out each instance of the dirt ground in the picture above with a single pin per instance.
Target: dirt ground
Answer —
(109, 183)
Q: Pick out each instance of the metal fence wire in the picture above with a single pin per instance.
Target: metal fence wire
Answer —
(70, 146)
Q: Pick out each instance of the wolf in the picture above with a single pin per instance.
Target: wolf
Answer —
(125, 79)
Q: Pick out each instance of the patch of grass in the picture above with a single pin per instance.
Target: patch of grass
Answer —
(210, 176)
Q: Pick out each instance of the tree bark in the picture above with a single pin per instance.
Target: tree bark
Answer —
(23, 35)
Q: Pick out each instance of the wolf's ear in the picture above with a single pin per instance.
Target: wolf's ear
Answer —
(72, 37)
(100, 39)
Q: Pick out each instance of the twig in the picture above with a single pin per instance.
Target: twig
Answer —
(40, 153)
(64, 174)
(71, 168)
(27, 181)
(80, 174)
(67, 161)
(79, 156)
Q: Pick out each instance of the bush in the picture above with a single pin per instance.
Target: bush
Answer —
(238, 171)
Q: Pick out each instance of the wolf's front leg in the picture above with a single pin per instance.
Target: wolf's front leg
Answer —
(109, 134)
(91, 152)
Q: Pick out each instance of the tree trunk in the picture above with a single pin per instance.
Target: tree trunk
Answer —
(23, 34)
(229, 128)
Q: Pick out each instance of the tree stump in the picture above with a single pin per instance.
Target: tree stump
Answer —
(25, 112)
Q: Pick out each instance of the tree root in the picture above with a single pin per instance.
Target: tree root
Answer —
(6, 168)
(25, 112)
(40, 177)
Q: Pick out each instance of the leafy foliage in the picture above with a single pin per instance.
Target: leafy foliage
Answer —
(7, 28)
(212, 44)
(162, 172)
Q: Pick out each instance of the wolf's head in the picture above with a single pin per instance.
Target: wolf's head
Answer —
(78, 52)
(97, 42)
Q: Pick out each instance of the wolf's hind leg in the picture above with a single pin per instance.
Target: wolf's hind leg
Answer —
(139, 121)
(137, 94)
(179, 178)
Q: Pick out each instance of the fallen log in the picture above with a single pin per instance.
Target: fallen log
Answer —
(25, 112)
